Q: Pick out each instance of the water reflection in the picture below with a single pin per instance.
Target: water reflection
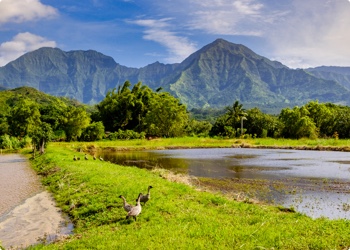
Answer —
(309, 178)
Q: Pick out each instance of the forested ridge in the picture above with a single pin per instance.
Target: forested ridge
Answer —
(212, 77)
(30, 117)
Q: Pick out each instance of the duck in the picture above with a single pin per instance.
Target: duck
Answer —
(145, 197)
(127, 207)
(135, 210)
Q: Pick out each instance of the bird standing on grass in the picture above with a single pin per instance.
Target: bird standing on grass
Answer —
(145, 197)
(135, 210)
(127, 207)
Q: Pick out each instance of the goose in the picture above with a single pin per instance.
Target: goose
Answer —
(135, 210)
(145, 197)
(127, 207)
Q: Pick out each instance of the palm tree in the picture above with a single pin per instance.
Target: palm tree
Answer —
(236, 114)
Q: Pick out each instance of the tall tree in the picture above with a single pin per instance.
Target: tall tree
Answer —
(24, 117)
(236, 114)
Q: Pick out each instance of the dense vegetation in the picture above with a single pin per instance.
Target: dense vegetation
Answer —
(136, 112)
(177, 216)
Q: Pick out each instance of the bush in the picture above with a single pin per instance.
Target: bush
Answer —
(126, 135)
(5, 142)
(10, 142)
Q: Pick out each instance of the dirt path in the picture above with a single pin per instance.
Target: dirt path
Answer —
(27, 212)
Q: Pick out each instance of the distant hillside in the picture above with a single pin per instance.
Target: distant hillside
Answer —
(338, 74)
(9, 96)
(214, 76)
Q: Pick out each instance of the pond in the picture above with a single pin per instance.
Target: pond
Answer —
(316, 183)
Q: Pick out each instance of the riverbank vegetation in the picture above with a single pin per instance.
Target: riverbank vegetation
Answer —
(29, 117)
(178, 216)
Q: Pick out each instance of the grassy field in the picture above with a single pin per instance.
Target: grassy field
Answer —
(178, 216)
(192, 142)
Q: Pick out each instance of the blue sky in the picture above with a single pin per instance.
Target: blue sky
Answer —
(298, 33)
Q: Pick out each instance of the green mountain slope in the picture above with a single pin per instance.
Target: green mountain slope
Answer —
(214, 76)
(338, 74)
(221, 72)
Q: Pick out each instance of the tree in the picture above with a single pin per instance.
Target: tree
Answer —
(75, 120)
(116, 109)
(24, 118)
(236, 114)
(297, 123)
(260, 124)
(40, 137)
(53, 113)
(166, 116)
(321, 115)
(143, 110)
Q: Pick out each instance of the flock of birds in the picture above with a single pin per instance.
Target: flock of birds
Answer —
(75, 158)
(132, 210)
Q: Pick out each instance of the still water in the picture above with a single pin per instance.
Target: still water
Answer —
(320, 180)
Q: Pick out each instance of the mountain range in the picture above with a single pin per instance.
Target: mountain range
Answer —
(213, 77)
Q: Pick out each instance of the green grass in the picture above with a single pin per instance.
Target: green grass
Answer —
(193, 142)
(176, 217)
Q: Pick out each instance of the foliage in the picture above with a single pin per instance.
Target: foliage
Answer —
(142, 110)
(24, 118)
(166, 117)
(75, 120)
(260, 124)
(198, 128)
(126, 135)
(41, 136)
(95, 131)
(229, 124)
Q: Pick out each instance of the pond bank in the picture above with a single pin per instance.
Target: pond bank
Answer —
(28, 214)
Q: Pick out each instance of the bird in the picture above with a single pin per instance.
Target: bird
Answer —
(127, 207)
(85, 157)
(74, 158)
(145, 197)
(135, 210)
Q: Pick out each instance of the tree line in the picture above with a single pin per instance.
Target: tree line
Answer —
(139, 112)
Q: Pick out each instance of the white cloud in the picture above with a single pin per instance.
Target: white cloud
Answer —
(21, 44)
(19, 11)
(299, 33)
(220, 17)
(159, 31)
(314, 33)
